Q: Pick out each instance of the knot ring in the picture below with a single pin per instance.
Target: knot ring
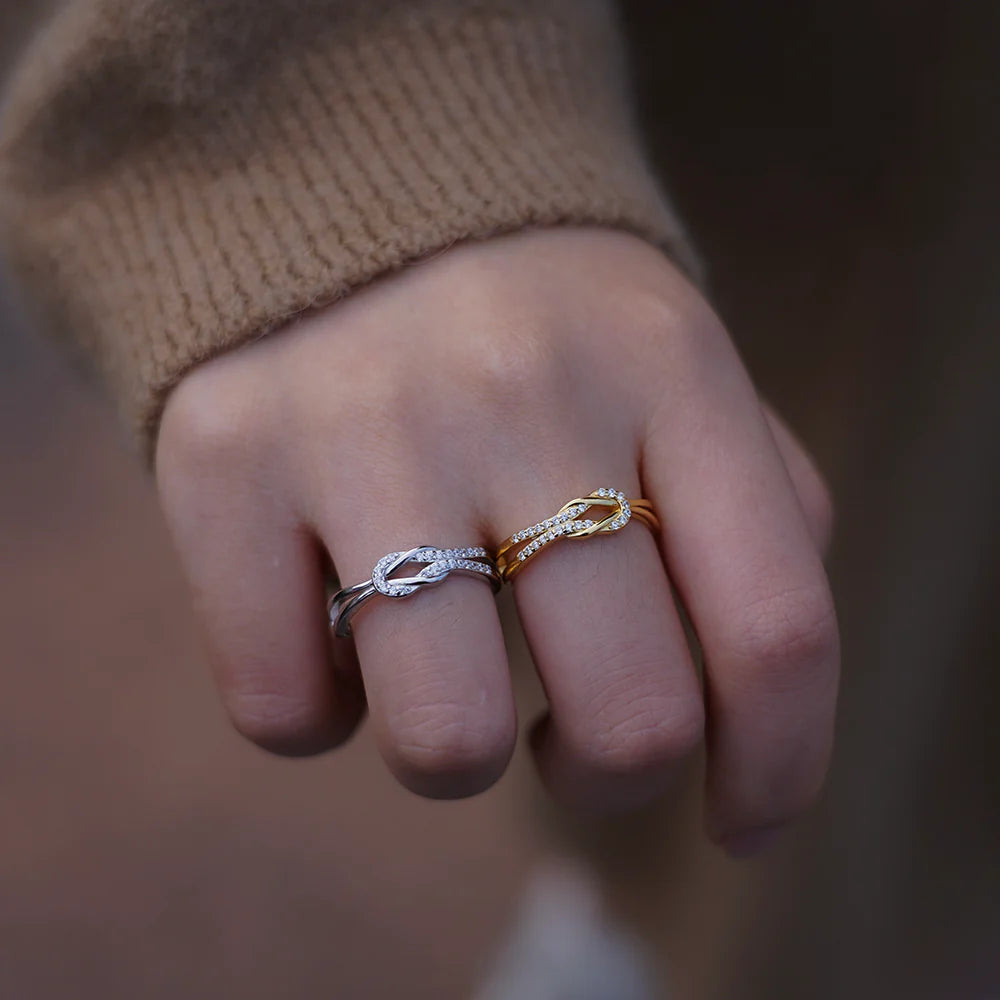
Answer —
(439, 564)
(571, 521)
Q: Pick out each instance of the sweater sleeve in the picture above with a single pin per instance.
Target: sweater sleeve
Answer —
(178, 177)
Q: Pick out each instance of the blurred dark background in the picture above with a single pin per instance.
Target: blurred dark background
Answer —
(837, 164)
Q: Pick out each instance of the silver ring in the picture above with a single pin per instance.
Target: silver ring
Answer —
(440, 563)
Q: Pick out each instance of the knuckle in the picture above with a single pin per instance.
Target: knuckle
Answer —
(675, 328)
(279, 722)
(447, 750)
(201, 426)
(378, 396)
(509, 367)
(649, 734)
(785, 632)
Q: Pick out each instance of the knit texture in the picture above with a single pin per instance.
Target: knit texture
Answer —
(178, 177)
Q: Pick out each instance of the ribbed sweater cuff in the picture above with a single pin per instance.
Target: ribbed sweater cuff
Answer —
(209, 218)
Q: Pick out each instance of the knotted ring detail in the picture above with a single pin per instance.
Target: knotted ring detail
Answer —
(570, 522)
(439, 565)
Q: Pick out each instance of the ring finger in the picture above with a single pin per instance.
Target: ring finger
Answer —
(626, 707)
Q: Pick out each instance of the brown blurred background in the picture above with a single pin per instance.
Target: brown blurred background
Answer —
(838, 166)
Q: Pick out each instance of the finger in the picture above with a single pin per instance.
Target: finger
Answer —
(259, 592)
(626, 707)
(810, 488)
(434, 664)
(737, 547)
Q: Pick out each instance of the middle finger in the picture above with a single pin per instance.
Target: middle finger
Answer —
(434, 664)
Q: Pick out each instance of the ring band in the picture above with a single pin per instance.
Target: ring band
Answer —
(569, 522)
(440, 563)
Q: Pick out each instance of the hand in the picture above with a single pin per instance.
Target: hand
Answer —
(453, 404)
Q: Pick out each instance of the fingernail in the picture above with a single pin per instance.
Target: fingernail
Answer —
(753, 842)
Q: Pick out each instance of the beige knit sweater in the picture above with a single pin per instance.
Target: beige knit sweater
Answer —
(180, 176)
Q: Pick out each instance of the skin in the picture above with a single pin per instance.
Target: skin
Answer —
(454, 403)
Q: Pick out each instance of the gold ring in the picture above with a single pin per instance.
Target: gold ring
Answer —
(570, 522)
